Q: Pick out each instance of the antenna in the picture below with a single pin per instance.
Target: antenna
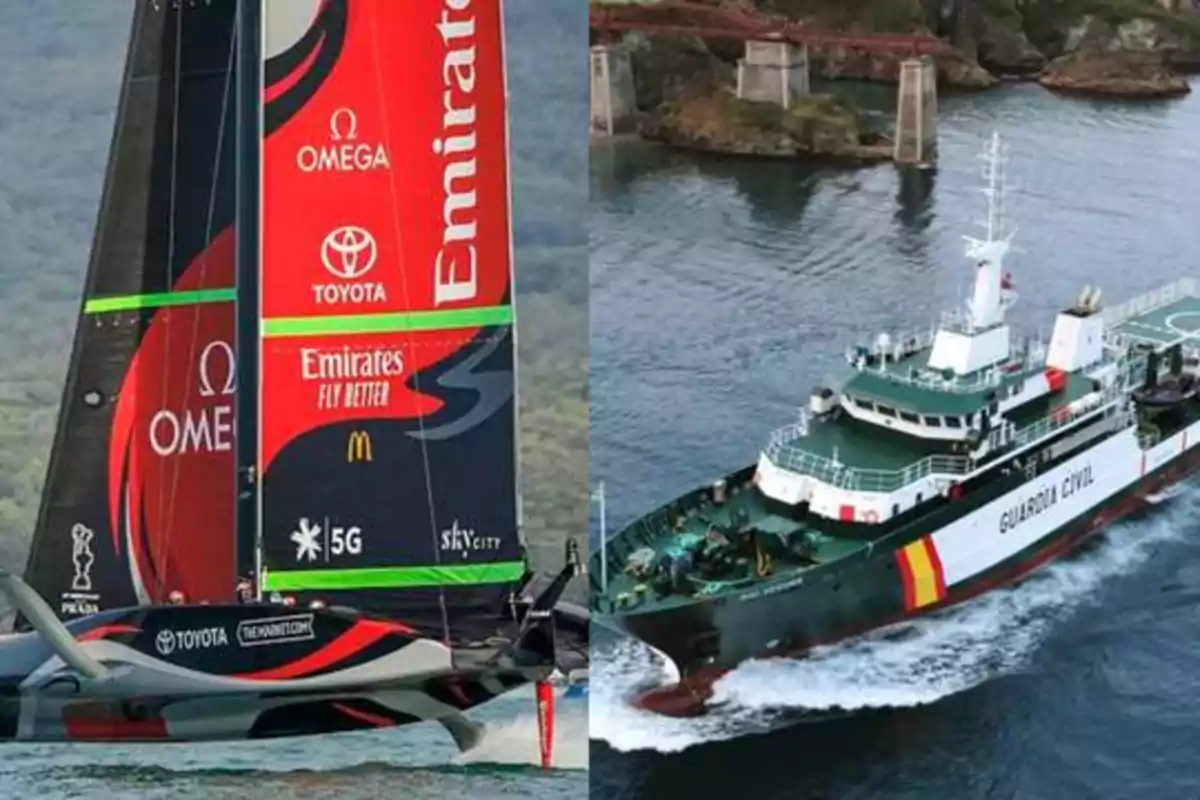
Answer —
(987, 307)
(993, 173)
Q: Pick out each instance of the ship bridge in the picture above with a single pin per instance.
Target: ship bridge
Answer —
(922, 414)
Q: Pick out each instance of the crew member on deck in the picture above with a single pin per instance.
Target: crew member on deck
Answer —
(245, 591)
(175, 598)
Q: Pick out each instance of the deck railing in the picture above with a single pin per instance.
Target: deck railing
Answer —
(933, 379)
(786, 450)
(1115, 315)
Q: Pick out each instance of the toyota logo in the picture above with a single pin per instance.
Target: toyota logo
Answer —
(349, 252)
(165, 642)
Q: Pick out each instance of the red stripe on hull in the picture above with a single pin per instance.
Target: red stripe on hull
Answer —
(906, 579)
(935, 561)
(104, 631)
(364, 634)
(375, 720)
(105, 722)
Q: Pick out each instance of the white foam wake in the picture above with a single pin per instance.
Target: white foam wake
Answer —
(515, 740)
(909, 664)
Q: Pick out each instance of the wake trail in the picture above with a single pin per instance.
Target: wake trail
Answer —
(515, 741)
(908, 664)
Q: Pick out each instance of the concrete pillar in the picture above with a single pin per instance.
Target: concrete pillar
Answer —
(773, 72)
(916, 112)
(613, 102)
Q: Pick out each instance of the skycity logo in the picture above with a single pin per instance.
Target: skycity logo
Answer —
(343, 152)
(466, 541)
(209, 429)
(349, 253)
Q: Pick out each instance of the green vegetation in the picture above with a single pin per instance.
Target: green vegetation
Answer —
(1045, 19)
(63, 62)
(864, 15)
(811, 119)
(817, 125)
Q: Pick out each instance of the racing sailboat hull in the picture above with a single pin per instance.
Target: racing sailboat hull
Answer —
(208, 672)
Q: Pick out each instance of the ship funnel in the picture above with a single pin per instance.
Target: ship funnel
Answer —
(1081, 301)
(718, 492)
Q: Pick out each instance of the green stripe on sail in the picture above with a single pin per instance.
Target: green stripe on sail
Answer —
(393, 577)
(129, 302)
(485, 317)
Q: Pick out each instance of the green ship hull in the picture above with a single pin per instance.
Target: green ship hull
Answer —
(852, 583)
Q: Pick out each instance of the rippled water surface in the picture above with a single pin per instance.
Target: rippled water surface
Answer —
(723, 290)
(416, 762)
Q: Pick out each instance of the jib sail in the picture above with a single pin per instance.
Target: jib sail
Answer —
(138, 500)
(387, 440)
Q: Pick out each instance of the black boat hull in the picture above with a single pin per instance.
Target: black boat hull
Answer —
(215, 672)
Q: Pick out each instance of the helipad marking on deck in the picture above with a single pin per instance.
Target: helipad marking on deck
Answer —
(1170, 322)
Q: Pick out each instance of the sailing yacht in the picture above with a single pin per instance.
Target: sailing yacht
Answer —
(282, 497)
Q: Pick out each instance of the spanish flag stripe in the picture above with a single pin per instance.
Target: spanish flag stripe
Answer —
(935, 561)
(906, 577)
(924, 583)
(921, 569)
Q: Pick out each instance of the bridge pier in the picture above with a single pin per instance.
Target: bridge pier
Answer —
(613, 101)
(773, 72)
(916, 113)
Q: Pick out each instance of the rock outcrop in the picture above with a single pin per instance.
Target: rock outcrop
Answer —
(1119, 74)
(1005, 49)
(815, 126)
(1137, 58)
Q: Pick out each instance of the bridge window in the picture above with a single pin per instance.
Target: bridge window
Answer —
(907, 417)
(933, 422)
(864, 404)
(953, 422)
(887, 412)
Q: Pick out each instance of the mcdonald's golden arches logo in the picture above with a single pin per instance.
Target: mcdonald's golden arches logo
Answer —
(358, 448)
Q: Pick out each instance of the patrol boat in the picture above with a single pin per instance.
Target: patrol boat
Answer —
(941, 465)
(293, 375)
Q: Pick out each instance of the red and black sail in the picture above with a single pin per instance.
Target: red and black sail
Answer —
(138, 500)
(386, 422)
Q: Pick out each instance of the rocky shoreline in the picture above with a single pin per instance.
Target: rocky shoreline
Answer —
(816, 126)
(1125, 49)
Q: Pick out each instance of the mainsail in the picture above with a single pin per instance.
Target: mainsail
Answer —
(387, 444)
(138, 499)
